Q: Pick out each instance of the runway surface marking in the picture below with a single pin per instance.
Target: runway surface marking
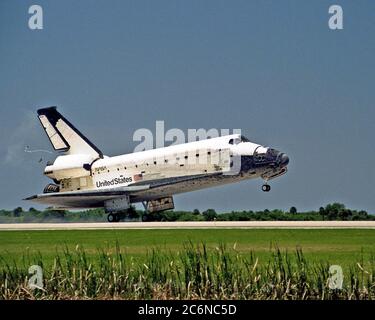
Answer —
(193, 225)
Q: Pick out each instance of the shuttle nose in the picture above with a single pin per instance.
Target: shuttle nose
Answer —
(284, 160)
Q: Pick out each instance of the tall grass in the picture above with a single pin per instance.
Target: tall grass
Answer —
(196, 272)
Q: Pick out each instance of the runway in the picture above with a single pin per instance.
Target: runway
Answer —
(192, 225)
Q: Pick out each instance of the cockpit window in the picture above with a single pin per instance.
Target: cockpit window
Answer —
(235, 141)
(244, 139)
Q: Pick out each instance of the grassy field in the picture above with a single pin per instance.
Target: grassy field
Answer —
(188, 264)
(343, 246)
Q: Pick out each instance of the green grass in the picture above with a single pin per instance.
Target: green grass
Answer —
(343, 246)
(188, 264)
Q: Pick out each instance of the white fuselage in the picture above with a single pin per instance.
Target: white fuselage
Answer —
(204, 158)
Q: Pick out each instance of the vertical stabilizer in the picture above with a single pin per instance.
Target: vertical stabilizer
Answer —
(64, 136)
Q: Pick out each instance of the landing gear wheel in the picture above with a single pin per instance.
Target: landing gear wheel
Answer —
(266, 187)
(112, 217)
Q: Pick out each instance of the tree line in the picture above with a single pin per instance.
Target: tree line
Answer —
(334, 211)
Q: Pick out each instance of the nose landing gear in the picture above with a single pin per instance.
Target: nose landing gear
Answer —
(266, 187)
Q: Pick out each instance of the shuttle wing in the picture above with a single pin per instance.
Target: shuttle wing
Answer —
(140, 191)
(84, 198)
(159, 183)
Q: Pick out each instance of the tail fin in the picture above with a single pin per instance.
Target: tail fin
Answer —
(64, 136)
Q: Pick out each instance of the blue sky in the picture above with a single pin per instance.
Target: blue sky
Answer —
(271, 68)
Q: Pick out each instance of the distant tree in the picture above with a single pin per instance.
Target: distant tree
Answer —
(6, 213)
(132, 213)
(335, 210)
(241, 216)
(345, 214)
(55, 213)
(17, 212)
(363, 214)
(323, 213)
(196, 212)
(209, 215)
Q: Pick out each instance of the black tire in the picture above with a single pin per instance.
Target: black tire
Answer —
(112, 217)
(266, 188)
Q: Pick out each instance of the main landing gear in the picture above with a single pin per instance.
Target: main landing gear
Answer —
(266, 187)
(113, 217)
